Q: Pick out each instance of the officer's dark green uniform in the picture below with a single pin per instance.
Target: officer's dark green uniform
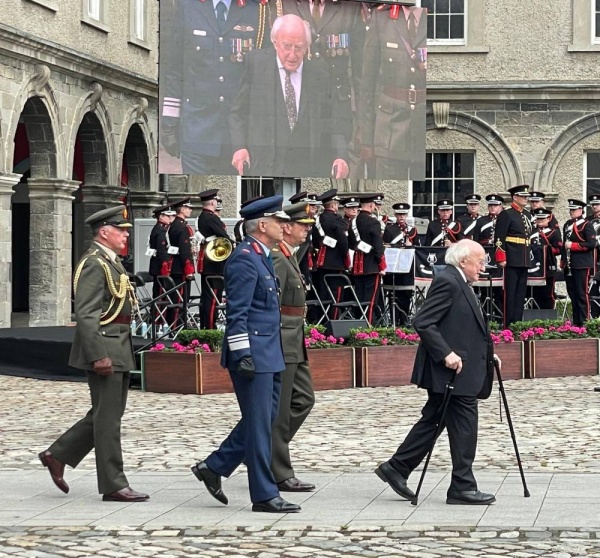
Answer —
(104, 301)
(297, 394)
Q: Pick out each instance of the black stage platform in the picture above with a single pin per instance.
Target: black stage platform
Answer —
(41, 352)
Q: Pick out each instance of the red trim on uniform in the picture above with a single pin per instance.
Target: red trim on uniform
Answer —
(188, 268)
(358, 266)
(284, 250)
(577, 247)
(321, 258)
(587, 294)
(394, 13)
(500, 255)
(372, 301)
(211, 311)
(165, 268)
(200, 265)
(257, 248)
(382, 264)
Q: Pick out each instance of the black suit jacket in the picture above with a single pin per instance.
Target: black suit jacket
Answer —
(450, 320)
(258, 121)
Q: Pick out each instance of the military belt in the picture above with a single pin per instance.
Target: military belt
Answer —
(299, 311)
(517, 240)
(408, 95)
(122, 319)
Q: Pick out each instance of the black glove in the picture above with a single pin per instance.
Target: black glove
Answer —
(246, 368)
(170, 137)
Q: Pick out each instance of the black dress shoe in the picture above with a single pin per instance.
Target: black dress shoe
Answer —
(56, 469)
(469, 498)
(126, 494)
(276, 505)
(295, 485)
(398, 483)
(211, 480)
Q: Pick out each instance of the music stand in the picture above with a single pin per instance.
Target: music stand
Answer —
(489, 306)
(399, 261)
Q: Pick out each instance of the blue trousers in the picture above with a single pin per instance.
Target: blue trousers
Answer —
(250, 439)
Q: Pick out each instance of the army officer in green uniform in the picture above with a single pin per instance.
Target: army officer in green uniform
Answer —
(297, 394)
(104, 300)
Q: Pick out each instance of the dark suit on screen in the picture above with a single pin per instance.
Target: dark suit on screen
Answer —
(450, 320)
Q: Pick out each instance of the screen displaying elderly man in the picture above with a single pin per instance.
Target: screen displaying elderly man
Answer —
(455, 348)
(281, 120)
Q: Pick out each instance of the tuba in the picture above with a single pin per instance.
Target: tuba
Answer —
(218, 249)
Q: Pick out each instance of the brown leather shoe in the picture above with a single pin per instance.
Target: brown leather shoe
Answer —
(295, 485)
(56, 470)
(126, 494)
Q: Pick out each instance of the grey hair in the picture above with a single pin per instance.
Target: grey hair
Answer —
(251, 225)
(458, 252)
(288, 18)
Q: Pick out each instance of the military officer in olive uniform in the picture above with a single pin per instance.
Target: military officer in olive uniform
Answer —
(392, 99)
(157, 246)
(102, 347)
(468, 222)
(297, 393)
(513, 229)
(578, 259)
(209, 227)
(203, 46)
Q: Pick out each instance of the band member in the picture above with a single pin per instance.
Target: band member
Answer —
(210, 227)
(468, 222)
(364, 238)
(179, 245)
(536, 201)
(443, 231)
(578, 257)
(484, 232)
(351, 207)
(513, 229)
(379, 214)
(545, 235)
(401, 235)
(594, 219)
(157, 246)
(238, 229)
(330, 240)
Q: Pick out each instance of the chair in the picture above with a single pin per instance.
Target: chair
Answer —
(561, 299)
(172, 301)
(324, 305)
(216, 283)
(349, 305)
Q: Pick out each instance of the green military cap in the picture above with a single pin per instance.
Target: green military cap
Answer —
(299, 213)
(115, 216)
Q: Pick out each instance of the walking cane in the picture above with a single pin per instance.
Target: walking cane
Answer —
(438, 431)
(510, 426)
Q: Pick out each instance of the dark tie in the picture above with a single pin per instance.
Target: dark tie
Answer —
(290, 101)
(221, 11)
(412, 29)
(316, 12)
(477, 301)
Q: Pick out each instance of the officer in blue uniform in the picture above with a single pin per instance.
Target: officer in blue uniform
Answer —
(253, 354)
(204, 44)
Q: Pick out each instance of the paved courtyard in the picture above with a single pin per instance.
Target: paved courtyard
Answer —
(351, 514)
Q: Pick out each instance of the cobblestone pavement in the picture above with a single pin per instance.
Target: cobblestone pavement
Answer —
(349, 431)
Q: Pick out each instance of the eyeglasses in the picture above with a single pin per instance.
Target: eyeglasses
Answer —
(288, 47)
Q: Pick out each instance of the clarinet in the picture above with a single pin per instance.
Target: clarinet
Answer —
(568, 235)
(444, 233)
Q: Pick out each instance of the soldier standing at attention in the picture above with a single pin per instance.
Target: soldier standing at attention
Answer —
(104, 301)
(578, 257)
(536, 201)
(297, 393)
(513, 229)
(443, 231)
(468, 222)
(545, 235)
(594, 219)
(157, 246)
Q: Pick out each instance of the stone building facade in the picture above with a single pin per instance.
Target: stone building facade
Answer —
(513, 97)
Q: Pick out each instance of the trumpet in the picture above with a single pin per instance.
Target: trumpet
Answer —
(218, 249)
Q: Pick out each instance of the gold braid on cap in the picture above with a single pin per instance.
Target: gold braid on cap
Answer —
(118, 290)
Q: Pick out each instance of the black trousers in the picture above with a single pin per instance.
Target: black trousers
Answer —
(460, 421)
(515, 290)
(544, 295)
(208, 304)
(318, 277)
(577, 287)
(367, 290)
(177, 316)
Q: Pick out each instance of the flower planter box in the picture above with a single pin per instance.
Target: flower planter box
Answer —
(385, 366)
(512, 356)
(213, 378)
(171, 372)
(550, 358)
(332, 368)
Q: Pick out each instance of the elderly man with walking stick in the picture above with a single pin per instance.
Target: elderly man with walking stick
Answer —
(455, 364)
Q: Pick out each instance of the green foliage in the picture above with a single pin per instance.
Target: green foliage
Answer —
(308, 328)
(212, 337)
(518, 327)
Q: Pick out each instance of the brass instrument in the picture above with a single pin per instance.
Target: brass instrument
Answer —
(218, 249)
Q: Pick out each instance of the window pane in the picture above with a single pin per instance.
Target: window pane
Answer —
(423, 212)
(598, 5)
(442, 26)
(429, 5)
(457, 27)
(421, 186)
(428, 165)
(457, 7)
(464, 165)
(442, 189)
(459, 210)
(442, 6)
(598, 25)
(463, 187)
(593, 187)
(442, 165)
(94, 9)
(593, 165)
(431, 26)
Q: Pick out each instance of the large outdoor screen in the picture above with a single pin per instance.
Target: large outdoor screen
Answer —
(290, 88)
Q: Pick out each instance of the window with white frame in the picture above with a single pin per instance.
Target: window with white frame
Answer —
(138, 20)
(93, 9)
(94, 13)
(446, 21)
(264, 186)
(448, 175)
(592, 173)
(586, 26)
(596, 21)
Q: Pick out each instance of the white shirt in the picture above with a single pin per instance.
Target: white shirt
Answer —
(295, 77)
(111, 253)
(227, 5)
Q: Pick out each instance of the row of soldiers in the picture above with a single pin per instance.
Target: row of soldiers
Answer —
(351, 233)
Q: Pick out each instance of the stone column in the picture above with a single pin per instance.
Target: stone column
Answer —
(7, 181)
(144, 202)
(51, 207)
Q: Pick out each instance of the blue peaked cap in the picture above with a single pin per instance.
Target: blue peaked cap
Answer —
(266, 207)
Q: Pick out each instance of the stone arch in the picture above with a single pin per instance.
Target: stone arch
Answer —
(490, 138)
(575, 133)
(136, 157)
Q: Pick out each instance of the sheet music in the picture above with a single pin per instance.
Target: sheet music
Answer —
(399, 260)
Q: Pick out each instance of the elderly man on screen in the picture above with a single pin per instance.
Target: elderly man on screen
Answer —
(282, 121)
